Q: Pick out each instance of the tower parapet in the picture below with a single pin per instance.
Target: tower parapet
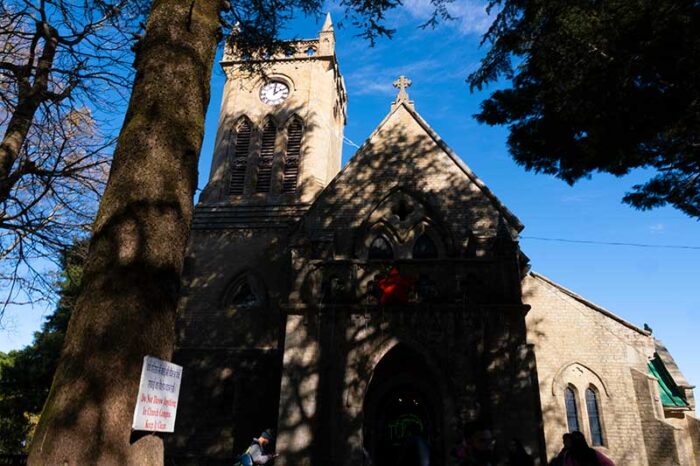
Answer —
(321, 48)
(280, 133)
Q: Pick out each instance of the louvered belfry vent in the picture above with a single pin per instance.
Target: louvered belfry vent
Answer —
(267, 153)
(240, 158)
(292, 157)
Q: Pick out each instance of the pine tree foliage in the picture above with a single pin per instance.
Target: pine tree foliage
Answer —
(600, 86)
(26, 374)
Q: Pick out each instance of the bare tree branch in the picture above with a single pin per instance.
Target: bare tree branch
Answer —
(61, 63)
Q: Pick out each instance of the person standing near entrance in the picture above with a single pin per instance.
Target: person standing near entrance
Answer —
(580, 454)
(415, 450)
(517, 455)
(255, 452)
(478, 447)
(561, 457)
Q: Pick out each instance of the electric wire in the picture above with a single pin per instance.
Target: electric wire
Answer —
(350, 143)
(613, 243)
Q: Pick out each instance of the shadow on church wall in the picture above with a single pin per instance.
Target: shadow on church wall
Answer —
(302, 357)
(331, 335)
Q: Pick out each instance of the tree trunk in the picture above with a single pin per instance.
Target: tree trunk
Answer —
(14, 138)
(130, 287)
(29, 99)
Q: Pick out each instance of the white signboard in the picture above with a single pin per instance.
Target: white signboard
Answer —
(159, 389)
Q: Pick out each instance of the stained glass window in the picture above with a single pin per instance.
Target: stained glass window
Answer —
(381, 249)
(571, 409)
(424, 248)
(243, 293)
(594, 417)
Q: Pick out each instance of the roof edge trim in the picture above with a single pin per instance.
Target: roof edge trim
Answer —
(510, 216)
(588, 303)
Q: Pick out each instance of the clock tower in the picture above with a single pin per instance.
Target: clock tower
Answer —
(278, 145)
(280, 132)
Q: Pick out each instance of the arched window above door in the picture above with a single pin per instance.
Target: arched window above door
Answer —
(380, 249)
(424, 248)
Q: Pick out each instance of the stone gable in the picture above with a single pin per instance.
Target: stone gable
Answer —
(404, 153)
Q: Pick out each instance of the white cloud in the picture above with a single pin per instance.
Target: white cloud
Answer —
(470, 15)
(375, 79)
(657, 228)
(369, 87)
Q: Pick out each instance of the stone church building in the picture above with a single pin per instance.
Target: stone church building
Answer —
(350, 307)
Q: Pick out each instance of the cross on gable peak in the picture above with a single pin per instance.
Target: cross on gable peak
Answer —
(402, 84)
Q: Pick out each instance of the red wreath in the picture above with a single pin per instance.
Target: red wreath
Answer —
(395, 288)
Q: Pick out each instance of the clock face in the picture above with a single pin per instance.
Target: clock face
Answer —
(274, 93)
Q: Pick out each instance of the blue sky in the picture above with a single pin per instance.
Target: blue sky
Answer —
(654, 285)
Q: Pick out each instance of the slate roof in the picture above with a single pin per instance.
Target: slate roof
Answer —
(671, 366)
(671, 394)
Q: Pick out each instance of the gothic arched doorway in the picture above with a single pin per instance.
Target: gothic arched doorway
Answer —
(402, 409)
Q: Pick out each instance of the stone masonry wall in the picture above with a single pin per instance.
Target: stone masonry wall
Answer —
(231, 355)
(694, 434)
(659, 436)
(579, 346)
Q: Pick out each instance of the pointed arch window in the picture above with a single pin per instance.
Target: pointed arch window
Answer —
(571, 409)
(240, 157)
(267, 154)
(380, 249)
(243, 296)
(424, 248)
(244, 293)
(594, 423)
(292, 156)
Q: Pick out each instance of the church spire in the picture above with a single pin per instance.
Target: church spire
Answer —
(327, 37)
(328, 23)
(402, 84)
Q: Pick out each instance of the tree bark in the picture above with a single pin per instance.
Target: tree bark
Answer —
(12, 142)
(130, 287)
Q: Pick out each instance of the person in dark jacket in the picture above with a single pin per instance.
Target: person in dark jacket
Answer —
(580, 454)
(561, 457)
(517, 455)
(415, 450)
(479, 446)
(255, 452)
